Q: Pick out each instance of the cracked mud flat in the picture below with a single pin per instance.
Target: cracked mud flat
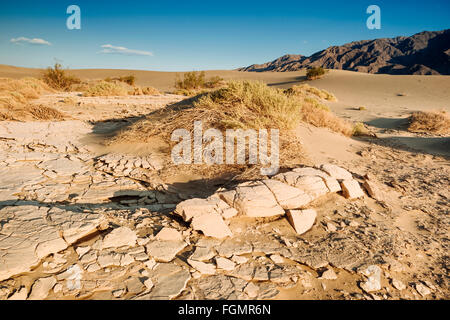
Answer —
(79, 223)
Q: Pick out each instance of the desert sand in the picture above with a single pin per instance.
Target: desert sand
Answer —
(102, 222)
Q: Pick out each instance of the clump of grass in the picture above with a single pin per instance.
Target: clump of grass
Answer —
(191, 80)
(359, 129)
(57, 78)
(15, 98)
(195, 82)
(436, 122)
(240, 105)
(323, 118)
(104, 88)
(306, 89)
(361, 108)
(315, 73)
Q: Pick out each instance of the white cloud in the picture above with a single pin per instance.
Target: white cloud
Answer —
(108, 48)
(35, 41)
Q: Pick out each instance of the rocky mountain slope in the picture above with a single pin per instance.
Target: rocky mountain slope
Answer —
(425, 53)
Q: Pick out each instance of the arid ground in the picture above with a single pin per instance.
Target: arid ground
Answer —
(81, 218)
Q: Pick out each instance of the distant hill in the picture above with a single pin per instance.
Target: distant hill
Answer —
(425, 53)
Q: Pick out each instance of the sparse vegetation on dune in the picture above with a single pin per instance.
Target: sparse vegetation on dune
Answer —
(305, 89)
(15, 97)
(323, 118)
(315, 73)
(240, 105)
(104, 88)
(130, 80)
(58, 78)
(194, 83)
(437, 122)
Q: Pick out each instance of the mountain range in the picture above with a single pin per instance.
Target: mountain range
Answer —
(425, 53)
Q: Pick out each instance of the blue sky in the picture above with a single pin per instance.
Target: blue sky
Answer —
(197, 35)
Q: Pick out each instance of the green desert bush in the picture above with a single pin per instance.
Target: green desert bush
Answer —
(359, 129)
(58, 78)
(130, 80)
(191, 80)
(315, 73)
(195, 82)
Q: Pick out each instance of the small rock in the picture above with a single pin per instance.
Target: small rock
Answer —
(57, 288)
(82, 250)
(212, 225)
(202, 254)
(277, 258)
(134, 285)
(397, 284)
(41, 288)
(373, 283)
(169, 234)
(120, 237)
(331, 227)
(251, 290)
(149, 284)
(203, 268)
(239, 259)
(336, 172)
(118, 293)
(373, 187)
(351, 189)
(302, 220)
(225, 264)
(150, 263)
(329, 275)
(164, 251)
(422, 289)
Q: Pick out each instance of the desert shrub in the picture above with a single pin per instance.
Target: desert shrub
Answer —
(317, 104)
(130, 80)
(437, 122)
(359, 129)
(315, 73)
(191, 80)
(150, 91)
(57, 78)
(104, 88)
(15, 97)
(194, 83)
(307, 90)
(238, 105)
